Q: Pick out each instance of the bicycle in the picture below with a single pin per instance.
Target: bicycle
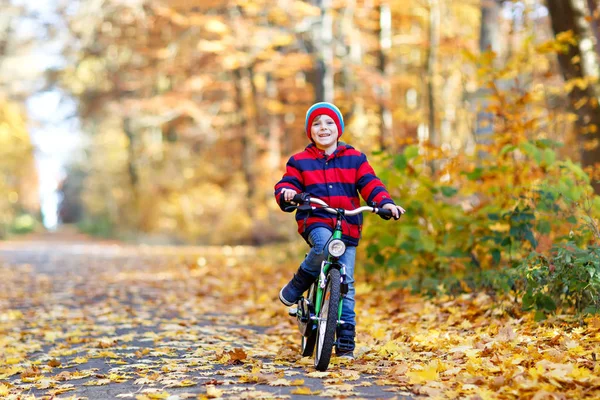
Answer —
(319, 313)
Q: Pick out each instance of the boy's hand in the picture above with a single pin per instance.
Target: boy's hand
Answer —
(288, 194)
(397, 211)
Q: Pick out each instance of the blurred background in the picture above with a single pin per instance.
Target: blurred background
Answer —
(170, 121)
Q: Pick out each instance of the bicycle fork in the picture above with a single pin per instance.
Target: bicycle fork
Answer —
(325, 265)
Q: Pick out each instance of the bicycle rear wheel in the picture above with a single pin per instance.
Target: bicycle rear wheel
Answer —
(308, 344)
(328, 320)
(309, 340)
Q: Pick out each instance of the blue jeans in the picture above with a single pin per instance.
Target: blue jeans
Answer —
(318, 238)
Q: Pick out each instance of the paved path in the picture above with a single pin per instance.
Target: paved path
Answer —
(101, 321)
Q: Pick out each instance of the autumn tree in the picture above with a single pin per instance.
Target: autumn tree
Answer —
(18, 176)
(579, 63)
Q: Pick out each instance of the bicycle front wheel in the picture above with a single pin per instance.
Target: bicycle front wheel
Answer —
(328, 320)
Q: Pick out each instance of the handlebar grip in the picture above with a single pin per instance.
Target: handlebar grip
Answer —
(299, 198)
(385, 213)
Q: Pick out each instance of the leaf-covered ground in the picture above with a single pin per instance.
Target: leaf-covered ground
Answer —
(106, 321)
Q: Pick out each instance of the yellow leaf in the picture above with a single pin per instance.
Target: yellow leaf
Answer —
(237, 354)
(305, 391)
(62, 389)
(216, 26)
(566, 37)
(303, 9)
(500, 227)
(319, 374)
(105, 354)
(99, 382)
(143, 381)
(160, 395)
(117, 378)
(591, 144)
(5, 373)
(51, 336)
(45, 383)
(427, 374)
(186, 383)
(282, 40)
(81, 374)
(210, 46)
(581, 102)
(581, 374)
(390, 348)
(281, 382)
(212, 392)
(54, 363)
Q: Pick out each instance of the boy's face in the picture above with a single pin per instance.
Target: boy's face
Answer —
(324, 132)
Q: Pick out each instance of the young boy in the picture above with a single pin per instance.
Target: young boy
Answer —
(335, 173)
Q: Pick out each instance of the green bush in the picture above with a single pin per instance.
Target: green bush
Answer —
(98, 226)
(488, 230)
(24, 223)
(567, 278)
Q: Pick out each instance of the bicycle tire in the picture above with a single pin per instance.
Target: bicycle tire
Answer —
(328, 318)
(307, 345)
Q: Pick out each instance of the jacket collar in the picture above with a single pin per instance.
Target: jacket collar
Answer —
(318, 153)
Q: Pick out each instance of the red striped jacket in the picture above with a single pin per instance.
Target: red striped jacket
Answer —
(336, 179)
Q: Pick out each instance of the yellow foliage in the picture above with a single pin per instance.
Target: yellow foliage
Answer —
(567, 37)
(18, 178)
(216, 26)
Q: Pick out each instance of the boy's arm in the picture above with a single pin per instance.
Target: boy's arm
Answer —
(370, 187)
(292, 179)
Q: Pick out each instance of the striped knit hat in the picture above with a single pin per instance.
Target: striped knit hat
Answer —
(324, 108)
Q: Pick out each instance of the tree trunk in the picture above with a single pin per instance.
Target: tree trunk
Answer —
(593, 7)
(385, 44)
(5, 30)
(133, 175)
(347, 30)
(275, 128)
(324, 89)
(489, 32)
(432, 58)
(246, 139)
(572, 15)
(131, 168)
(489, 40)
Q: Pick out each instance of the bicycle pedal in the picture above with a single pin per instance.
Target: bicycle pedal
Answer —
(292, 311)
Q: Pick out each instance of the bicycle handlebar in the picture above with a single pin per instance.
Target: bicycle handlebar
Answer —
(302, 198)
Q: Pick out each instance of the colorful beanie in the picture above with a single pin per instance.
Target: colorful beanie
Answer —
(324, 108)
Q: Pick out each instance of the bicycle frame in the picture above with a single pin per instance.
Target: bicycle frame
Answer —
(331, 260)
(325, 266)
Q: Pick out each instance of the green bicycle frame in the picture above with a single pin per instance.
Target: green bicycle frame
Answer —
(337, 234)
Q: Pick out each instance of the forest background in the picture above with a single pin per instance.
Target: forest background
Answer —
(481, 117)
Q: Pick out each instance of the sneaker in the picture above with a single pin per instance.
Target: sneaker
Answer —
(344, 346)
(293, 290)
